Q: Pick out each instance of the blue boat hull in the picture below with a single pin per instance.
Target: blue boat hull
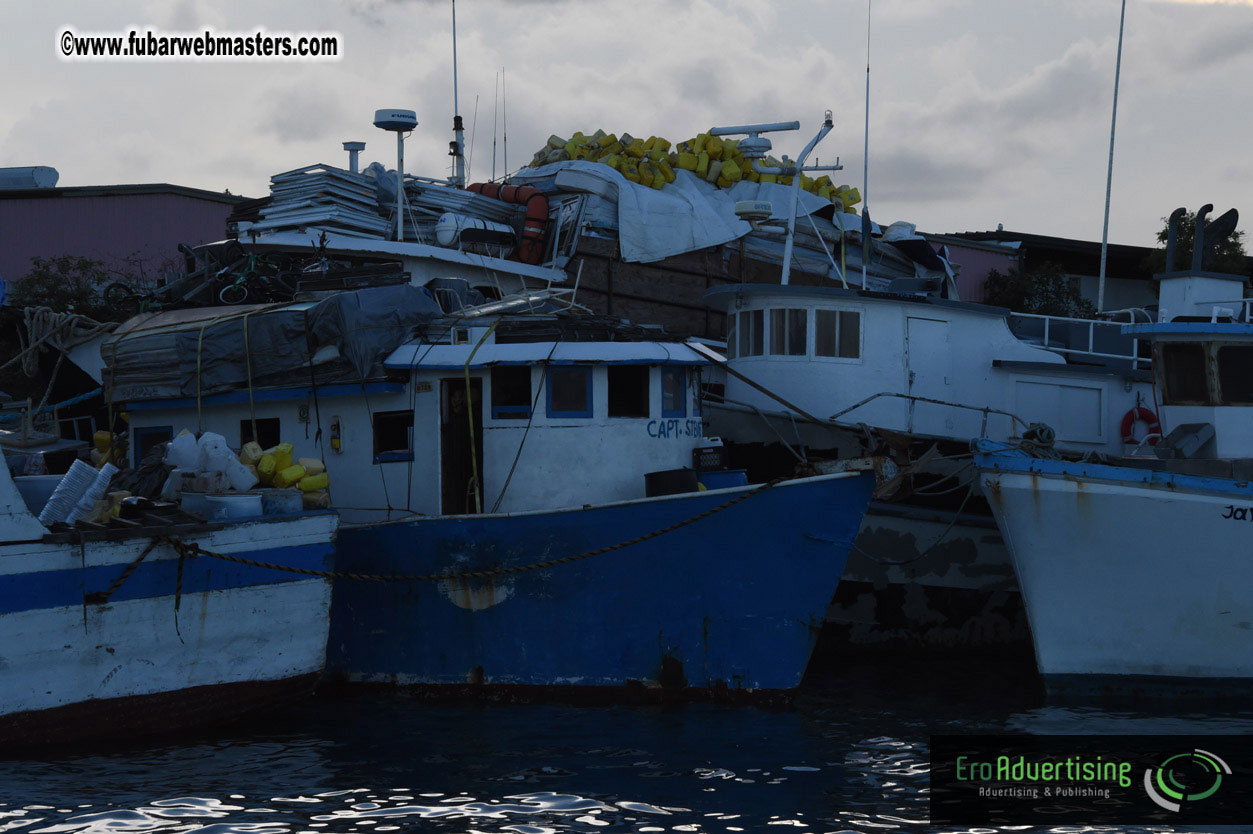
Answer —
(734, 600)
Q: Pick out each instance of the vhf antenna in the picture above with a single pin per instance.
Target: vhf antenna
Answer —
(755, 147)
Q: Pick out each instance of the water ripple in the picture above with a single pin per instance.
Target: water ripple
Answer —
(388, 764)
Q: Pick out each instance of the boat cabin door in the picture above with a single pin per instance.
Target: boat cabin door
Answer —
(461, 446)
(929, 363)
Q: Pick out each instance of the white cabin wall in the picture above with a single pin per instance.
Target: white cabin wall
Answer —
(1085, 409)
(569, 462)
(566, 462)
(824, 386)
(1233, 430)
(355, 480)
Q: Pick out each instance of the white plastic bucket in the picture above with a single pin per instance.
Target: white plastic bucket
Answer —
(281, 501)
(196, 502)
(239, 505)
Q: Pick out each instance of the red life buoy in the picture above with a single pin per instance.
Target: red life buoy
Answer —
(1146, 416)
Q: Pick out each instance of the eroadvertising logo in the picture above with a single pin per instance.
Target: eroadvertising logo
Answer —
(1091, 780)
(1185, 777)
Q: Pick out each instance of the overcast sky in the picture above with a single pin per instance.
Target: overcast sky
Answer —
(982, 111)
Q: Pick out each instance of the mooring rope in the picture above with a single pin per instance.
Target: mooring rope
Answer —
(101, 597)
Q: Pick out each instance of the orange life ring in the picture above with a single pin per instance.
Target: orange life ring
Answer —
(1145, 415)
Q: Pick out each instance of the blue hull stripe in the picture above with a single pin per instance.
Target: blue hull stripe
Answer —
(1003, 458)
(156, 578)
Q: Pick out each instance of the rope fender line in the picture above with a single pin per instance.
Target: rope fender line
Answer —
(101, 597)
(186, 550)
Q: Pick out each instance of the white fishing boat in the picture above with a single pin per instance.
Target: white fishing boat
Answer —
(117, 633)
(1134, 569)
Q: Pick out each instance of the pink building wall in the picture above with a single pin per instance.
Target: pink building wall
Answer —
(133, 229)
(975, 265)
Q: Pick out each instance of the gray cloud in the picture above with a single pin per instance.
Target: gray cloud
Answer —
(982, 111)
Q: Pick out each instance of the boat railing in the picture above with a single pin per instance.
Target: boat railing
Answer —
(1237, 309)
(531, 300)
(914, 399)
(1092, 329)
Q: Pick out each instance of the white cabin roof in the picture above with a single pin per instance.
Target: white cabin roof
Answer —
(440, 356)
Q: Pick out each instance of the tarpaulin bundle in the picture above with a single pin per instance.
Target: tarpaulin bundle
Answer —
(186, 353)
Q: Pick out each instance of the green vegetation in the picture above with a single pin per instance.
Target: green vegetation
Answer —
(1045, 289)
(1228, 256)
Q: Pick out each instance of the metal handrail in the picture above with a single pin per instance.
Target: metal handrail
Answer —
(914, 398)
(1131, 312)
(1134, 357)
(1245, 306)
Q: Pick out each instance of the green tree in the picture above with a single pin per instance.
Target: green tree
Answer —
(1228, 255)
(66, 284)
(1046, 290)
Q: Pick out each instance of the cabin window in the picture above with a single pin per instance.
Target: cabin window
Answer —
(1183, 373)
(570, 392)
(267, 432)
(673, 392)
(511, 392)
(837, 333)
(147, 437)
(732, 319)
(628, 391)
(788, 332)
(1235, 374)
(393, 436)
(752, 335)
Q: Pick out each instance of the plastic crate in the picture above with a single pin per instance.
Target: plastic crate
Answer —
(709, 457)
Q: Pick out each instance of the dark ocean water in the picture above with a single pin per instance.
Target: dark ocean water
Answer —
(849, 756)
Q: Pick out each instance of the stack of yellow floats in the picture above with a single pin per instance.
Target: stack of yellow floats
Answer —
(276, 468)
(652, 162)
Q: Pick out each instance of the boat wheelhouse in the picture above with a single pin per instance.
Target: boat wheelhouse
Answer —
(911, 362)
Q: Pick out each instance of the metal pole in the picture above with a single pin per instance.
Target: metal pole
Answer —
(400, 185)
(865, 161)
(1109, 176)
(459, 153)
(504, 122)
(791, 225)
(799, 167)
(495, 118)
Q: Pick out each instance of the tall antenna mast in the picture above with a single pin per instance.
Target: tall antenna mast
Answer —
(1109, 175)
(458, 145)
(865, 164)
(474, 129)
(504, 120)
(495, 118)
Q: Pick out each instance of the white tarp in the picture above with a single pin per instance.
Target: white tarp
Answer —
(684, 216)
